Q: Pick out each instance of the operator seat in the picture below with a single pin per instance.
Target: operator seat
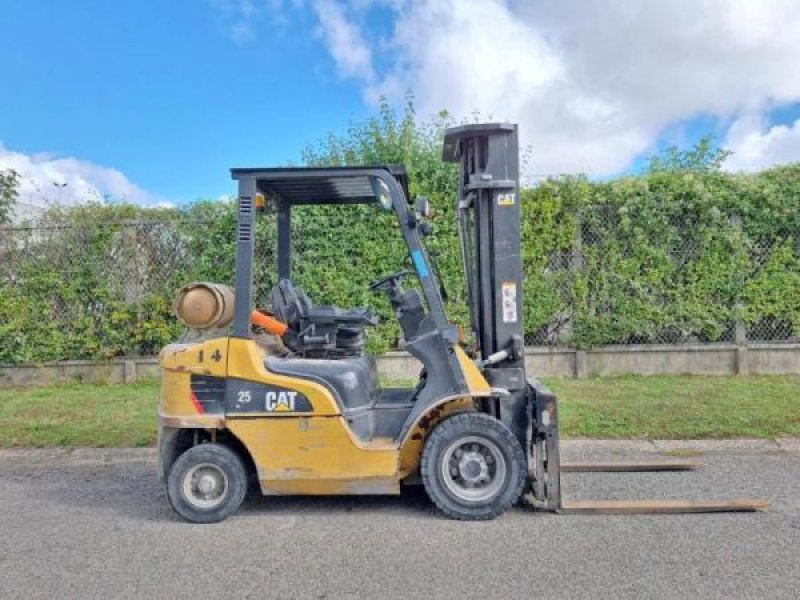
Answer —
(319, 331)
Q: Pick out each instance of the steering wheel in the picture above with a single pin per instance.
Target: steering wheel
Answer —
(383, 282)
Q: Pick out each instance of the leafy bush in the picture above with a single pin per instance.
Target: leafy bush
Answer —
(9, 182)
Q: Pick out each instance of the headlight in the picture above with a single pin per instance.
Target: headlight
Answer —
(382, 193)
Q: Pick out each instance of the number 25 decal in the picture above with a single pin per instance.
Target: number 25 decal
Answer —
(244, 397)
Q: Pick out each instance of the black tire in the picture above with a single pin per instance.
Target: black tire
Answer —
(482, 440)
(222, 469)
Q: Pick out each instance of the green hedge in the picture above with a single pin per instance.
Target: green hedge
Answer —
(677, 253)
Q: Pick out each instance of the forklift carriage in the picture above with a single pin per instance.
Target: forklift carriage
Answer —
(314, 419)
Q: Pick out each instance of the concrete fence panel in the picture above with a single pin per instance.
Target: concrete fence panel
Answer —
(688, 359)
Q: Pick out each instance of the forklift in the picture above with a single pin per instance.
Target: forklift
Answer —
(311, 417)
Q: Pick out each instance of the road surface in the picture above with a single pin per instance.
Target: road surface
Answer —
(96, 524)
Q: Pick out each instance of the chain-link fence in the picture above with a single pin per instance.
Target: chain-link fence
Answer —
(99, 290)
(619, 283)
(106, 289)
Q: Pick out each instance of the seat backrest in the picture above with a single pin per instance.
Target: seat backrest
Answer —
(305, 301)
(288, 303)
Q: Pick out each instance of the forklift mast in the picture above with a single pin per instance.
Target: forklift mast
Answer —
(489, 222)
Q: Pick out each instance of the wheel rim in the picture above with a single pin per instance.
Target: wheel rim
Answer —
(473, 469)
(205, 486)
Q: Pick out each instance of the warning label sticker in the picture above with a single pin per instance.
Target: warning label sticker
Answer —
(505, 199)
(509, 295)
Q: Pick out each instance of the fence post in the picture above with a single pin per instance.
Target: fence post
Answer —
(130, 371)
(739, 326)
(740, 338)
(577, 243)
(581, 365)
(576, 265)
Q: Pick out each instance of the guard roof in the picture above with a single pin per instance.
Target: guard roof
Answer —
(320, 185)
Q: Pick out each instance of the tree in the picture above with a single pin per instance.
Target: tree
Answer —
(372, 244)
(389, 138)
(705, 155)
(9, 184)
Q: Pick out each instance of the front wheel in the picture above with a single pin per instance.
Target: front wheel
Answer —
(473, 467)
(207, 483)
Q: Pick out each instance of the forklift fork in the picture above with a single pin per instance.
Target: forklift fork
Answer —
(545, 467)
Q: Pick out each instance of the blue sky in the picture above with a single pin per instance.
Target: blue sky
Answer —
(154, 101)
(162, 91)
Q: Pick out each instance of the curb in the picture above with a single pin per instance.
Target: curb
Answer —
(79, 456)
(113, 456)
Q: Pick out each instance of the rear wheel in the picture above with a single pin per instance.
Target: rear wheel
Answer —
(207, 483)
(473, 467)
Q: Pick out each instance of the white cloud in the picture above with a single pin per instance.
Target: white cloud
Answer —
(756, 145)
(240, 17)
(42, 179)
(592, 83)
(344, 41)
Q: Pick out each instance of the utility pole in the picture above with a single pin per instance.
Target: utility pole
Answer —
(60, 187)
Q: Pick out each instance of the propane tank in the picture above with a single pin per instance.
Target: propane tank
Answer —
(203, 305)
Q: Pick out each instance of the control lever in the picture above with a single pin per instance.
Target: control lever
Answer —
(514, 351)
(495, 358)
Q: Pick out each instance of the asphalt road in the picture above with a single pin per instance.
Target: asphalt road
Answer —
(98, 526)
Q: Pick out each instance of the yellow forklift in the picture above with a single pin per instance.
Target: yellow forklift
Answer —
(307, 414)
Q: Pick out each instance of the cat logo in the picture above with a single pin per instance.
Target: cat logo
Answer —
(280, 401)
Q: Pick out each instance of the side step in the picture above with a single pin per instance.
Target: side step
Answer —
(638, 507)
(629, 467)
